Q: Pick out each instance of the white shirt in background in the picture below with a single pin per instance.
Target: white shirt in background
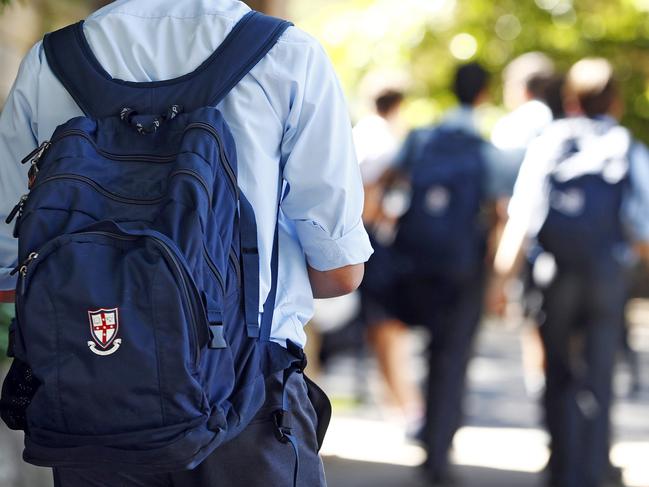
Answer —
(517, 129)
(376, 147)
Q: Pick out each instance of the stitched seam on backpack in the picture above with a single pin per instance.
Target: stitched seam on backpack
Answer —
(155, 339)
(58, 361)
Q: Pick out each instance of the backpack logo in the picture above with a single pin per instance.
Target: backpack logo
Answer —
(570, 202)
(438, 199)
(104, 325)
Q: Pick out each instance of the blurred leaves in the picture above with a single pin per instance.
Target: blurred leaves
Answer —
(6, 313)
(419, 37)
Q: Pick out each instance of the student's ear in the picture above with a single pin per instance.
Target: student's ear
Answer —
(571, 106)
(483, 97)
(617, 108)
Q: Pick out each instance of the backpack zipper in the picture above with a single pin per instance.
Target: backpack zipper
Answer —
(213, 268)
(97, 187)
(122, 199)
(237, 267)
(17, 210)
(225, 162)
(36, 155)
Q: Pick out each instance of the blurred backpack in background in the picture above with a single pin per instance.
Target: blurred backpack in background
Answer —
(583, 228)
(441, 232)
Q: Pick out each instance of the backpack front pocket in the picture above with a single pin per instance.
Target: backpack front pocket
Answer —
(113, 325)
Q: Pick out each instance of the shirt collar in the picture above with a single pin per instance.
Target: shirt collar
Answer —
(461, 118)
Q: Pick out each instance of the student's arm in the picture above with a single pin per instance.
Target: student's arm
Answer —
(336, 282)
(642, 250)
(17, 138)
(501, 172)
(636, 204)
(325, 193)
(527, 203)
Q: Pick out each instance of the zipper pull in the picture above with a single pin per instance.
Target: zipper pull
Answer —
(22, 267)
(35, 155)
(31, 175)
(23, 283)
(23, 272)
(17, 209)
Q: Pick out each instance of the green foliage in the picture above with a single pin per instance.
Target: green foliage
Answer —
(426, 38)
(6, 313)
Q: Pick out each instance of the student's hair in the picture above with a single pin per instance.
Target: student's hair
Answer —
(532, 70)
(471, 79)
(553, 95)
(590, 84)
(387, 100)
(537, 86)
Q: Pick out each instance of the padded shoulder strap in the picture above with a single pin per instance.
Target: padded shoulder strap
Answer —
(99, 95)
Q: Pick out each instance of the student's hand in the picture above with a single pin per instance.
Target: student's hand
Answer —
(7, 296)
(496, 296)
(642, 249)
(336, 282)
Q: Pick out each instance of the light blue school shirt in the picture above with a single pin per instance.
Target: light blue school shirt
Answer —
(288, 112)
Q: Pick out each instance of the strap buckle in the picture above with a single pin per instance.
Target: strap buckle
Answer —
(300, 364)
(283, 429)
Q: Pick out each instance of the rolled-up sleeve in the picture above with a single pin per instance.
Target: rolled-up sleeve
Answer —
(17, 138)
(636, 204)
(324, 195)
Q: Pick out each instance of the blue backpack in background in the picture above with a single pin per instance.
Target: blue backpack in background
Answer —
(137, 301)
(583, 228)
(441, 233)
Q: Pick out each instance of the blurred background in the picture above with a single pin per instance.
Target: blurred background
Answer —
(417, 45)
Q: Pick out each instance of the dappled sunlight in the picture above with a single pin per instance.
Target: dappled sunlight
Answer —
(515, 450)
(507, 449)
(632, 457)
(371, 441)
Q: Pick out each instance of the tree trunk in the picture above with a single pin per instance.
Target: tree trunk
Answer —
(272, 7)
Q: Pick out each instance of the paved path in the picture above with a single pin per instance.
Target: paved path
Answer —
(501, 445)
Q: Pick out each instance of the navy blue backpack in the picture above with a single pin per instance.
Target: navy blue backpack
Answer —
(441, 232)
(138, 285)
(583, 228)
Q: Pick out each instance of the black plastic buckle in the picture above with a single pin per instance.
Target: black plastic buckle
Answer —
(282, 420)
(299, 354)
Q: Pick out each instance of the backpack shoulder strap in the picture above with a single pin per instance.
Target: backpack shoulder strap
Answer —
(99, 95)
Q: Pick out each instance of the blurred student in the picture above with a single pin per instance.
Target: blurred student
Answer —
(531, 93)
(583, 196)
(525, 83)
(456, 176)
(377, 139)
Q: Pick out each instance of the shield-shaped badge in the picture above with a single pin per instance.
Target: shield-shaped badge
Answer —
(104, 324)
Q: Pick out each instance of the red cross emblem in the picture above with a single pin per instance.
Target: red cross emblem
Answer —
(104, 324)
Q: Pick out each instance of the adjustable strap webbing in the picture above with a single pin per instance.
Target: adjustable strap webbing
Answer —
(282, 417)
(99, 95)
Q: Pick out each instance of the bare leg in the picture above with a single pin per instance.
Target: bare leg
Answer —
(389, 339)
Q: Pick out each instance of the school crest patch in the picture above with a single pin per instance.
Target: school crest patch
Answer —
(104, 326)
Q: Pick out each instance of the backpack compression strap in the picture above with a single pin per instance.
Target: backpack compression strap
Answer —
(99, 95)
